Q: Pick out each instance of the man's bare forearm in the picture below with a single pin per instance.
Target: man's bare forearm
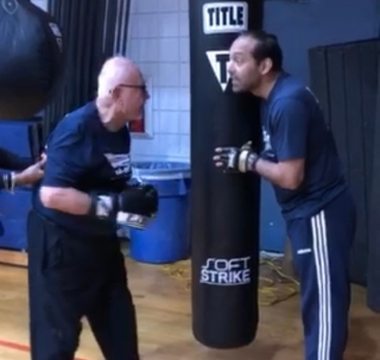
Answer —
(277, 174)
(67, 200)
(269, 171)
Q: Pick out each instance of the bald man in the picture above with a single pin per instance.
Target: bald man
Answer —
(76, 268)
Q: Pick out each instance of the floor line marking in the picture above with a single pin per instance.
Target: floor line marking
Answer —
(19, 347)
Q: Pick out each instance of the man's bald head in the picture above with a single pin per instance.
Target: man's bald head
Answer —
(116, 71)
(121, 91)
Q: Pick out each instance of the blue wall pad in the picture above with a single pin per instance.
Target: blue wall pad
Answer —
(14, 209)
(272, 224)
(23, 138)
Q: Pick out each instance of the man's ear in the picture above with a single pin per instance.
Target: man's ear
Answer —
(115, 92)
(266, 66)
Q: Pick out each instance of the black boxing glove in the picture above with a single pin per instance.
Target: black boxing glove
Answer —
(139, 200)
(234, 159)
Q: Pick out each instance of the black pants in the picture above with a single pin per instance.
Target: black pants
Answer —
(72, 277)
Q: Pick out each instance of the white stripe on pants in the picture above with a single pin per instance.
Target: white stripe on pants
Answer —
(321, 258)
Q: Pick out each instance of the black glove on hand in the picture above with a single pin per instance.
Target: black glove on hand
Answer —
(138, 200)
(234, 159)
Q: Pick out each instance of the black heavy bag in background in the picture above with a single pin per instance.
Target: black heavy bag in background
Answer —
(32, 59)
(224, 207)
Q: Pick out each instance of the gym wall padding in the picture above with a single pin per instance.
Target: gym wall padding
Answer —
(344, 78)
(14, 209)
(25, 139)
(224, 207)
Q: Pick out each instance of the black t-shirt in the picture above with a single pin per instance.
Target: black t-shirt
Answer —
(294, 127)
(84, 155)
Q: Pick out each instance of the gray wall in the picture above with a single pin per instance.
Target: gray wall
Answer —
(300, 26)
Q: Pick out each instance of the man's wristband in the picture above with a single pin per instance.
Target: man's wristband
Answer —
(246, 161)
(243, 160)
(8, 181)
(252, 161)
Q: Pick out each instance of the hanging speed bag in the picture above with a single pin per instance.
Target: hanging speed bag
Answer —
(224, 207)
(32, 59)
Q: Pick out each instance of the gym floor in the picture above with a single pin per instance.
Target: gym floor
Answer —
(163, 306)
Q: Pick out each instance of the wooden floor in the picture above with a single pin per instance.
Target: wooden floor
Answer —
(163, 306)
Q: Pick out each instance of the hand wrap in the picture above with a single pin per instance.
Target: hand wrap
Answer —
(236, 159)
(135, 200)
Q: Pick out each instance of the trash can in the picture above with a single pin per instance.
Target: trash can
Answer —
(166, 237)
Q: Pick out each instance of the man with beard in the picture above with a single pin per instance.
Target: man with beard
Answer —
(301, 161)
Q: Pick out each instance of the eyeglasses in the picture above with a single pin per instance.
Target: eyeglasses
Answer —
(142, 87)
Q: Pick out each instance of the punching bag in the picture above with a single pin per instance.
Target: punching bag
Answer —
(32, 59)
(224, 207)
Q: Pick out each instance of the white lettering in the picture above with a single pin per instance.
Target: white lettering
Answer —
(303, 251)
(228, 17)
(229, 272)
(121, 163)
(122, 170)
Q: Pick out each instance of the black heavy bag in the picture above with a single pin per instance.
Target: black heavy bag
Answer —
(32, 59)
(224, 207)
